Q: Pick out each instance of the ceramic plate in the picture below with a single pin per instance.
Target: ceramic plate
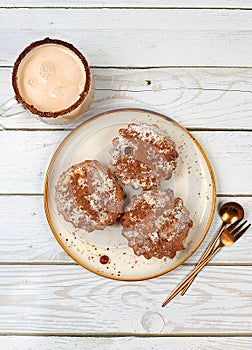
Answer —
(193, 181)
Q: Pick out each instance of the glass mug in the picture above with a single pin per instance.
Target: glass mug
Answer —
(52, 80)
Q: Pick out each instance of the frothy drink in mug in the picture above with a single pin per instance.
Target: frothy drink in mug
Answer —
(52, 80)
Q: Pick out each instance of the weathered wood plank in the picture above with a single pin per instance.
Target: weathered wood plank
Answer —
(108, 37)
(130, 3)
(196, 97)
(46, 299)
(124, 343)
(25, 235)
(25, 155)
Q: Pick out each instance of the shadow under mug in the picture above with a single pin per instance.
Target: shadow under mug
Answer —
(52, 80)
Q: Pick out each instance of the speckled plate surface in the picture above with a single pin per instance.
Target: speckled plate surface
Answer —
(193, 181)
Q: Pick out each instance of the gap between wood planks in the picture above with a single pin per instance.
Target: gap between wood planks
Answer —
(124, 335)
(70, 129)
(72, 263)
(104, 7)
(156, 67)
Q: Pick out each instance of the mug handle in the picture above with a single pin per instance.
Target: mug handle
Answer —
(10, 108)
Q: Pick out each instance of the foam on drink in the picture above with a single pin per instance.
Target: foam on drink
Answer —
(51, 78)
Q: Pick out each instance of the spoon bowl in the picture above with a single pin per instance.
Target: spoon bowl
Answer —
(230, 212)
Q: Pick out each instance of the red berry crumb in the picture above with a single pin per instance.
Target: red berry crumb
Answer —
(104, 259)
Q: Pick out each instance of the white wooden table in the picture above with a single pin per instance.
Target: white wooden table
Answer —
(190, 60)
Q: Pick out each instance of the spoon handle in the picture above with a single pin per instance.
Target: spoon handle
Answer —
(207, 252)
(192, 275)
